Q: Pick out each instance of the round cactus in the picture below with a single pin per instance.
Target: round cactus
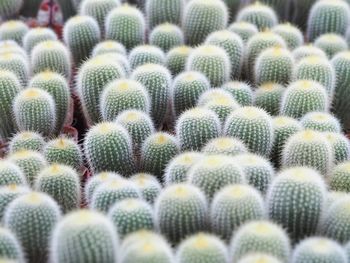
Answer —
(321, 121)
(17, 64)
(166, 36)
(176, 59)
(126, 24)
(259, 257)
(260, 237)
(202, 17)
(9, 8)
(32, 217)
(232, 207)
(34, 110)
(84, 236)
(226, 146)
(212, 61)
(269, 96)
(334, 196)
(331, 44)
(223, 107)
(11, 47)
(10, 173)
(202, 248)
(108, 46)
(10, 248)
(35, 36)
(340, 178)
(181, 210)
(13, 30)
(308, 51)
(7, 194)
(108, 141)
(290, 33)
(148, 185)
(302, 97)
(244, 29)
(197, 126)
(212, 173)
(162, 11)
(294, 192)
(146, 54)
(241, 92)
(212, 95)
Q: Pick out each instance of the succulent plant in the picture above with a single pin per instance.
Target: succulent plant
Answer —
(291, 34)
(176, 59)
(108, 46)
(331, 44)
(148, 185)
(269, 96)
(340, 178)
(13, 29)
(36, 35)
(244, 29)
(10, 248)
(226, 146)
(162, 11)
(166, 36)
(242, 92)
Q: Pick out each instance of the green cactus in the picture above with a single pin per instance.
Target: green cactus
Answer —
(10, 46)
(17, 64)
(302, 97)
(10, 8)
(233, 45)
(232, 207)
(7, 194)
(347, 250)
(108, 46)
(241, 91)
(162, 11)
(244, 29)
(331, 44)
(274, 65)
(157, 81)
(10, 248)
(319, 151)
(212, 61)
(148, 185)
(212, 95)
(295, 201)
(167, 36)
(32, 217)
(202, 17)
(320, 121)
(195, 127)
(34, 110)
(176, 59)
(260, 237)
(258, 258)
(319, 249)
(269, 96)
(35, 36)
(327, 17)
(13, 30)
(253, 126)
(131, 215)
(340, 177)
(260, 15)
(202, 248)
(212, 173)
(67, 8)
(226, 146)
(126, 24)
(84, 236)
(93, 76)
(112, 191)
(11, 173)
(81, 34)
(58, 88)
(291, 34)
(181, 210)
(334, 196)
(308, 51)
(146, 54)
(108, 141)
(223, 107)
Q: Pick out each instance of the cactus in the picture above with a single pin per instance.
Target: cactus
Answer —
(226, 146)
(7, 194)
(274, 65)
(10, 173)
(223, 107)
(108, 46)
(340, 177)
(9, 88)
(302, 97)
(91, 80)
(331, 44)
(233, 206)
(81, 34)
(148, 185)
(51, 55)
(176, 59)
(319, 249)
(258, 171)
(334, 196)
(297, 191)
(241, 91)
(30, 162)
(308, 51)
(13, 30)
(32, 217)
(269, 96)
(108, 141)
(10, 46)
(253, 126)
(181, 210)
(112, 191)
(34, 110)
(131, 215)
(157, 81)
(166, 36)
(319, 151)
(162, 11)
(291, 34)
(37, 35)
(146, 54)
(58, 88)
(233, 45)
(17, 64)
(259, 257)
(62, 183)
(212, 95)
(195, 127)
(84, 236)
(126, 24)
(258, 14)
(202, 17)
(9, 8)
(202, 248)
(212, 173)
(212, 61)
(320, 121)
(260, 237)
(328, 17)
(10, 248)
(244, 29)
(94, 182)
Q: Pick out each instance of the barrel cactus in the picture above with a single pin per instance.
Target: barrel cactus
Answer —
(26, 140)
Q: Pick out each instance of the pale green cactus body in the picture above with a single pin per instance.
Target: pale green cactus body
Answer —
(269, 96)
